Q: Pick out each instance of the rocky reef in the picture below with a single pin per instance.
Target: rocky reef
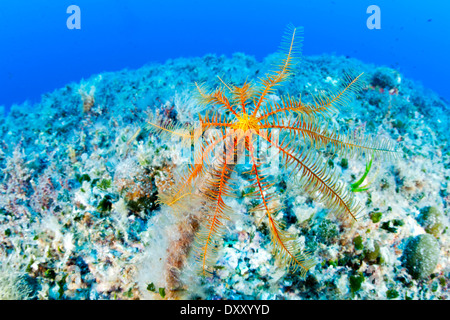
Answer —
(80, 175)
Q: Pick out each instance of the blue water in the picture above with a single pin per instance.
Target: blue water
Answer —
(38, 53)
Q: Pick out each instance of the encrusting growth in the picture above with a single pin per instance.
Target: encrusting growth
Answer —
(245, 118)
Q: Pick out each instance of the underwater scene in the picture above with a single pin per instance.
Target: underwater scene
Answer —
(224, 150)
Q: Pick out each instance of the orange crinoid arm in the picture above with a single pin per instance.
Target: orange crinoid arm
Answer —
(286, 248)
(216, 188)
(289, 48)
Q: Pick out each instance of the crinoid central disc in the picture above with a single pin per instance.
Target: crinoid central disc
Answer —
(246, 122)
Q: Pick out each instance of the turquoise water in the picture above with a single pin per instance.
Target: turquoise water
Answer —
(39, 53)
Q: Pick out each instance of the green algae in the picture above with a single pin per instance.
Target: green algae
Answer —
(421, 256)
(432, 220)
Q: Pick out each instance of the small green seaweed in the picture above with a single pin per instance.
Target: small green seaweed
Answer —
(50, 274)
(375, 216)
(83, 177)
(358, 242)
(61, 283)
(390, 226)
(105, 205)
(104, 184)
(162, 292)
(392, 294)
(356, 186)
(344, 163)
(356, 282)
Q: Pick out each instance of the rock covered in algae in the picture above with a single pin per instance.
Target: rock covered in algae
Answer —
(421, 256)
(432, 220)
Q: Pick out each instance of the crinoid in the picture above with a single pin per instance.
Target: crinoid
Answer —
(246, 125)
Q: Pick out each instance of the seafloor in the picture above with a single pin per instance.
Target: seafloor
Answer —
(80, 176)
